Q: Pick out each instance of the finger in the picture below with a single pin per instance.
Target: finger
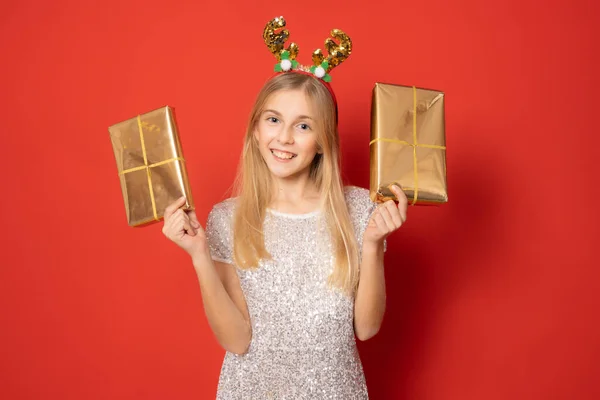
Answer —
(402, 200)
(381, 225)
(177, 228)
(402, 210)
(191, 223)
(394, 213)
(397, 191)
(194, 219)
(174, 206)
(183, 223)
(177, 218)
(173, 226)
(168, 225)
(387, 218)
(187, 226)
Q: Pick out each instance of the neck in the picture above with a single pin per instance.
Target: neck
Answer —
(300, 192)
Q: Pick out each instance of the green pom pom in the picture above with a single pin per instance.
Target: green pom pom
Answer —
(327, 78)
(312, 69)
(325, 65)
(285, 55)
(278, 68)
(294, 64)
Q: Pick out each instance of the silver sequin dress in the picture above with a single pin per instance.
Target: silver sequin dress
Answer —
(303, 344)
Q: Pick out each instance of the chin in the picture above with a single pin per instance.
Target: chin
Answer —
(285, 174)
(288, 172)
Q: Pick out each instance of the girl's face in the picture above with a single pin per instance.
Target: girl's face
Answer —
(286, 133)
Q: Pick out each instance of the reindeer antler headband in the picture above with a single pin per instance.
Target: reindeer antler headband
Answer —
(275, 35)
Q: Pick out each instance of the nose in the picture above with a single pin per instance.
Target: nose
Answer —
(286, 135)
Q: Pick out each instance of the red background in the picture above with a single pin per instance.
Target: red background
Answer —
(491, 296)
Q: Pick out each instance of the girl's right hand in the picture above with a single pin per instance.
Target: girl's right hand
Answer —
(183, 229)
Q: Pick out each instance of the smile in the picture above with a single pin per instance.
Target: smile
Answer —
(283, 155)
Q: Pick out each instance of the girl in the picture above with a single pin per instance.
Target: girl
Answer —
(291, 269)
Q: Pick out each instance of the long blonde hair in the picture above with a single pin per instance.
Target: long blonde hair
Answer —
(254, 185)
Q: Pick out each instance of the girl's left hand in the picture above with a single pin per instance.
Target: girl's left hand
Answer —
(387, 218)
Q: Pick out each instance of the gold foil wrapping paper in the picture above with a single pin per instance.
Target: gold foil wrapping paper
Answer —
(408, 144)
(150, 165)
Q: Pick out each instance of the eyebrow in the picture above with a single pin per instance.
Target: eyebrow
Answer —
(279, 114)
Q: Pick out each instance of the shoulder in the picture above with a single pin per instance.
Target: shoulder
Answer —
(219, 232)
(356, 191)
(359, 203)
(224, 207)
(357, 198)
(360, 208)
(221, 213)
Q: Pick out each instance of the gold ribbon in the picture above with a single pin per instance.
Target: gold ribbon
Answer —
(413, 145)
(147, 167)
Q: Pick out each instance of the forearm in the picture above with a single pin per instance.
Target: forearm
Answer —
(226, 320)
(369, 303)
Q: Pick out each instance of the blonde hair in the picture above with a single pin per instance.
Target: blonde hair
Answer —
(254, 185)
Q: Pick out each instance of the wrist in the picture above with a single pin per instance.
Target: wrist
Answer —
(201, 259)
(372, 247)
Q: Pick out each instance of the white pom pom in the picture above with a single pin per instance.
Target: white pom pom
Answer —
(319, 72)
(286, 65)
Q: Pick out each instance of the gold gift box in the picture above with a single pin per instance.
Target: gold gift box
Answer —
(151, 166)
(408, 144)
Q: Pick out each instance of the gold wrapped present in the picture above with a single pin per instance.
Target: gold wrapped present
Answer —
(408, 144)
(150, 164)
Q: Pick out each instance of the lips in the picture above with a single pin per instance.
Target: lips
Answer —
(283, 155)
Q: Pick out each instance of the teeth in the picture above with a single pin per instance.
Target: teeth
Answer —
(283, 155)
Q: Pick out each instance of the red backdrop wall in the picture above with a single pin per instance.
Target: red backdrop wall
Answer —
(491, 296)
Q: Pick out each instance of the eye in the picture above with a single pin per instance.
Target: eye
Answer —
(304, 127)
(273, 120)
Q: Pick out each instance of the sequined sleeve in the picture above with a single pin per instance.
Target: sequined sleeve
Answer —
(219, 233)
(361, 209)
